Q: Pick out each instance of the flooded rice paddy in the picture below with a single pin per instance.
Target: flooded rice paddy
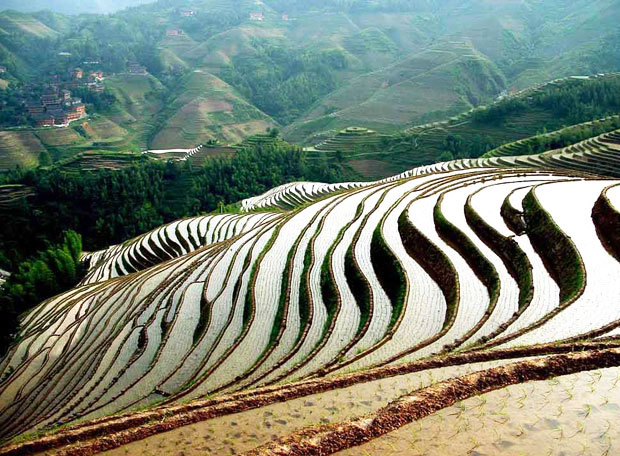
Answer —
(244, 431)
(576, 415)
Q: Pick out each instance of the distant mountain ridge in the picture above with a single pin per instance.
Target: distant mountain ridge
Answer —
(71, 6)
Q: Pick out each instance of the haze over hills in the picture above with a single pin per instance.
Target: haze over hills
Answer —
(313, 68)
(71, 6)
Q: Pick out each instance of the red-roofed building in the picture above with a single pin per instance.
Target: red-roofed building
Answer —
(35, 107)
(79, 109)
(44, 120)
(257, 16)
(50, 99)
(78, 73)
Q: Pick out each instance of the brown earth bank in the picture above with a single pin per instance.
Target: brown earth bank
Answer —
(103, 434)
(329, 439)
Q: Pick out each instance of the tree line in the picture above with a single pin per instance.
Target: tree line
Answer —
(52, 271)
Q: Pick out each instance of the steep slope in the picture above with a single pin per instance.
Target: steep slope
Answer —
(225, 303)
(202, 108)
(447, 79)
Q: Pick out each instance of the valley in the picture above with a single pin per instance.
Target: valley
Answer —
(287, 227)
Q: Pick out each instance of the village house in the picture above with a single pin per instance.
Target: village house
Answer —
(186, 13)
(95, 76)
(2, 69)
(78, 73)
(55, 108)
(34, 107)
(136, 68)
(50, 98)
(44, 120)
(257, 17)
(79, 109)
(173, 32)
(95, 87)
(285, 17)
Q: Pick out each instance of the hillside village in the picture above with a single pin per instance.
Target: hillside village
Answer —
(50, 102)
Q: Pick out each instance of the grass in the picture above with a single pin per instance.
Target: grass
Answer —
(515, 260)
(19, 148)
(390, 274)
(435, 262)
(559, 253)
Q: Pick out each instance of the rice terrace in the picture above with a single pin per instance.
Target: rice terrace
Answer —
(304, 228)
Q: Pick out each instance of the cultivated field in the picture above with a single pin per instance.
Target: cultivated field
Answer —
(19, 148)
(398, 290)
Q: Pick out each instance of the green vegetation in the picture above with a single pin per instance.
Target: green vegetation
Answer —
(56, 269)
(556, 249)
(557, 139)
(390, 274)
(283, 82)
(108, 207)
(219, 75)
(536, 119)
(329, 291)
(435, 262)
(255, 170)
(459, 241)
(284, 299)
(359, 287)
(573, 101)
(513, 257)
(606, 220)
(305, 302)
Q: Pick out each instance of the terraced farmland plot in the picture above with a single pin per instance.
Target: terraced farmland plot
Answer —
(577, 414)
(486, 262)
(241, 432)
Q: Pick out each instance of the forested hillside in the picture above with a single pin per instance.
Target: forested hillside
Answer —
(223, 70)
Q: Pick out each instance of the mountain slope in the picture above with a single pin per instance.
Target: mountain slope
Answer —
(203, 108)
(443, 80)
(227, 302)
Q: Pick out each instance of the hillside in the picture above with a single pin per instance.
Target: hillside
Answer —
(203, 108)
(225, 303)
(314, 68)
(438, 82)
(544, 117)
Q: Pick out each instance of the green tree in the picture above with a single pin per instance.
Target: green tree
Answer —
(45, 159)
